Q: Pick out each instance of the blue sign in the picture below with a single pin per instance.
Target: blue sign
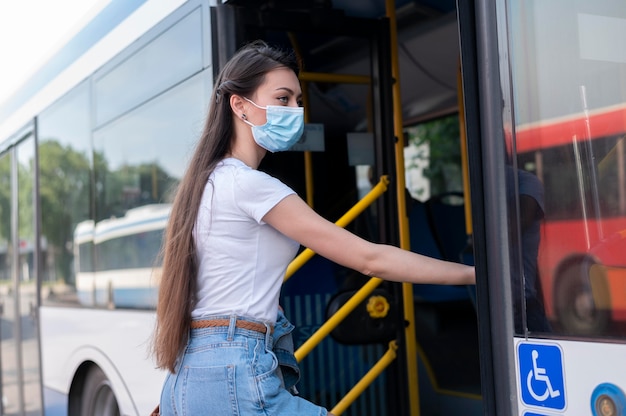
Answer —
(541, 375)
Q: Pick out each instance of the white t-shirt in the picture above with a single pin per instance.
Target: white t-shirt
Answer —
(242, 260)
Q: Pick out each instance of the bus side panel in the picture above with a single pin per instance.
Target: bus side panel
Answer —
(73, 336)
(583, 379)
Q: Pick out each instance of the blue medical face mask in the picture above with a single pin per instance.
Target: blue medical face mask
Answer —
(282, 130)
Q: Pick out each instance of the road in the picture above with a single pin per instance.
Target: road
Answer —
(10, 350)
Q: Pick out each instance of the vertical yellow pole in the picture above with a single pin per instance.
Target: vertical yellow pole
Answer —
(308, 160)
(464, 162)
(407, 289)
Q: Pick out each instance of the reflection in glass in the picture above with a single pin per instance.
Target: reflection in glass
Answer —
(527, 288)
(5, 219)
(26, 295)
(8, 357)
(65, 187)
(19, 359)
(126, 253)
(569, 131)
(168, 59)
(139, 160)
(140, 157)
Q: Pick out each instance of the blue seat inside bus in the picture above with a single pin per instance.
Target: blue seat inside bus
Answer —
(437, 229)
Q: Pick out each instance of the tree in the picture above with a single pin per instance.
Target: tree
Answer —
(444, 156)
(64, 180)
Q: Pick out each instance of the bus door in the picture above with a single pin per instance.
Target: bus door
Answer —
(19, 332)
(347, 151)
(545, 101)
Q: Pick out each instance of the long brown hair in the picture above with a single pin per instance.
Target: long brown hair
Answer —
(241, 75)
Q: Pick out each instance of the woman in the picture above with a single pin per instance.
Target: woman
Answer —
(232, 232)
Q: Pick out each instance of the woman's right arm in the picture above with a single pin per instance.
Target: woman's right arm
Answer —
(294, 218)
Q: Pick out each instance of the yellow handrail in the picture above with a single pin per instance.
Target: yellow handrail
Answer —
(307, 254)
(352, 213)
(337, 317)
(367, 379)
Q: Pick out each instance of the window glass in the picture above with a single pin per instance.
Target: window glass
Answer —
(26, 295)
(85, 252)
(129, 252)
(9, 370)
(140, 157)
(171, 57)
(433, 158)
(569, 141)
(589, 72)
(5, 218)
(65, 187)
(599, 158)
(87, 176)
(436, 212)
(139, 160)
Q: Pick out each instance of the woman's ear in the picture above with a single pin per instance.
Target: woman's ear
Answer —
(237, 105)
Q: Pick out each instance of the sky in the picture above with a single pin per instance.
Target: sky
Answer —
(32, 30)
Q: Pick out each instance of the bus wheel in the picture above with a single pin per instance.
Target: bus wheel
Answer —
(98, 398)
(576, 308)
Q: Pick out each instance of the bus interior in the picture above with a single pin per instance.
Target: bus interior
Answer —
(349, 75)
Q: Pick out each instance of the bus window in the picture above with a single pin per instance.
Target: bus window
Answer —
(141, 156)
(582, 216)
(177, 53)
(433, 158)
(5, 217)
(436, 207)
(569, 132)
(65, 184)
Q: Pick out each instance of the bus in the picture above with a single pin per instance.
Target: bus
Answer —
(116, 260)
(424, 120)
(581, 266)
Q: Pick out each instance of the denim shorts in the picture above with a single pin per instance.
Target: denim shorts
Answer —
(230, 371)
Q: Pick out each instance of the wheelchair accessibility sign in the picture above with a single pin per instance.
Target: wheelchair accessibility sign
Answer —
(541, 375)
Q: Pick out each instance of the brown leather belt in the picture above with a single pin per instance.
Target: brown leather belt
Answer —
(212, 323)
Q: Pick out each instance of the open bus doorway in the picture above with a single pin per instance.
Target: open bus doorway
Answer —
(352, 103)
(444, 315)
